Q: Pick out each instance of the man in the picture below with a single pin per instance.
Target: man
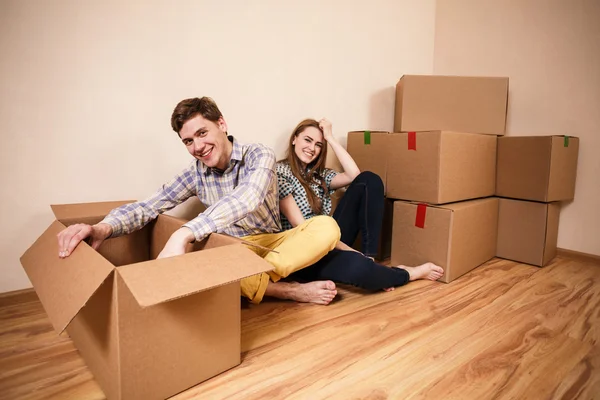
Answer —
(238, 184)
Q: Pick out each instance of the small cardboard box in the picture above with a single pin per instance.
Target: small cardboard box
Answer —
(527, 231)
(440, 167)
(458, 237)
(369, 151)
(147, 328)
(538, 168)
(455, 103)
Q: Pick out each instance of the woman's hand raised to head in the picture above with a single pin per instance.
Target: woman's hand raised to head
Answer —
(325, 125)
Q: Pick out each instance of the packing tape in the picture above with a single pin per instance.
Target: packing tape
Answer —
(367, 137)
(420, 219)
(412, 141)
(566, 141)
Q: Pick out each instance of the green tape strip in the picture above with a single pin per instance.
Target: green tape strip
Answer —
(566, 141)
(367, 137)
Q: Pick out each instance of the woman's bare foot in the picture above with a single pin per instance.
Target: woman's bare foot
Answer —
(317, 292)
(425, 271)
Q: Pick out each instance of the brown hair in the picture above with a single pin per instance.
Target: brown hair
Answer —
(315, 169)
(189, 108)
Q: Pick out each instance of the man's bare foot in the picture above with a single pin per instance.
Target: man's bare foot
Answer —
(317, 292)
(425, 271)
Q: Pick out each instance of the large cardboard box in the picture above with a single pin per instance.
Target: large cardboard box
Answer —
(539, 168)
(458, 237)
(146, 328)
(527, 231)
(456, 103)
(440, 167)
(369, 151)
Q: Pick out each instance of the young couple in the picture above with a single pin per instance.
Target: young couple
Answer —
(239, 185)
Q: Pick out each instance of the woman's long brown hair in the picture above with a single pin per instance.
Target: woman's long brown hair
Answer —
(315, 169)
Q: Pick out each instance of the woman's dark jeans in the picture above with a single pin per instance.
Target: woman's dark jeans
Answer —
(360, 210)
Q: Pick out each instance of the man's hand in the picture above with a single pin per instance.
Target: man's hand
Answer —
(70, 237)
(177, 243)
(325, 125)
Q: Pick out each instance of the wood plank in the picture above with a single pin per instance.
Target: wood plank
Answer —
(505, 330)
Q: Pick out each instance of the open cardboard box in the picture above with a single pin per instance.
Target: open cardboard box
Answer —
(147, 328)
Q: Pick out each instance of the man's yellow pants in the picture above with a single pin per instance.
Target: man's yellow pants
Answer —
(296, 248)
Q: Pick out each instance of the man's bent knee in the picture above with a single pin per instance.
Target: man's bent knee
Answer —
(329, 230)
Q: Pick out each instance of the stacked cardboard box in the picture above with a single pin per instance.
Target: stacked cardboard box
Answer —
(440, 167)
(534, 174)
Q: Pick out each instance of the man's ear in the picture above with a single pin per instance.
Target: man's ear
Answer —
(222, 124)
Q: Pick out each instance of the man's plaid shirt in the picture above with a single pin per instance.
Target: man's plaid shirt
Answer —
(241, 201)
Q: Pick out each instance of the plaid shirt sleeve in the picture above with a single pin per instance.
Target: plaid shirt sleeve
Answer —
(134, 216)
(259, 163)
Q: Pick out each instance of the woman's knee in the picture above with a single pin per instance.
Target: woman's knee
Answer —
(370, 179)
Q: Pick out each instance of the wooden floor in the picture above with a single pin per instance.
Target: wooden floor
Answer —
(503, 331)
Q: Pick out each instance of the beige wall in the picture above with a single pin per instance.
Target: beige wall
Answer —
(550, 49)
(87, 88)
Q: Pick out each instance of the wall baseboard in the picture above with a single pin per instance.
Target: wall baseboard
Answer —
(17, 296)
(577, 254)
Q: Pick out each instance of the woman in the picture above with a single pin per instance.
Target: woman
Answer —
(305, 188)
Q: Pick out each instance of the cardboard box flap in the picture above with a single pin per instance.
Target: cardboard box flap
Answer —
(63, 285)
(166, 279)
(84, 210)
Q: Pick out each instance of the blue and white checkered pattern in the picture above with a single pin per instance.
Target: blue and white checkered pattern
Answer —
(241, 201)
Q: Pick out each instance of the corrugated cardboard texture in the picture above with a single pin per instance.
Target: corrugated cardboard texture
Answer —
(172, 346)
(445, 167)
(458, 236)
(153, 282)
(63, 285)
(85, 210)
(538, 168)
(94, 332)
(551, 232)
(414, 175)
(563, 169)
(372, 156)
(463, 104)
(474, 233)
(128, 249)
(468, 166)
(163, 228)
(413, 246)
(527, 231)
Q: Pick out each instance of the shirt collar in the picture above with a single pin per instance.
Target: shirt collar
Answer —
(236, 155)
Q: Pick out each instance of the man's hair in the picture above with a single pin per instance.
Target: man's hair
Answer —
(189, 108)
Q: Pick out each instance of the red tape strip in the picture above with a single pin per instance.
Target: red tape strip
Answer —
(420, 220)
(412, 141)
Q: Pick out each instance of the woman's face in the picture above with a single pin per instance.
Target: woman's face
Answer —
(308, 145)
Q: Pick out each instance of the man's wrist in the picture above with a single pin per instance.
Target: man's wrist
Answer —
(105, 229)
(185, 234)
